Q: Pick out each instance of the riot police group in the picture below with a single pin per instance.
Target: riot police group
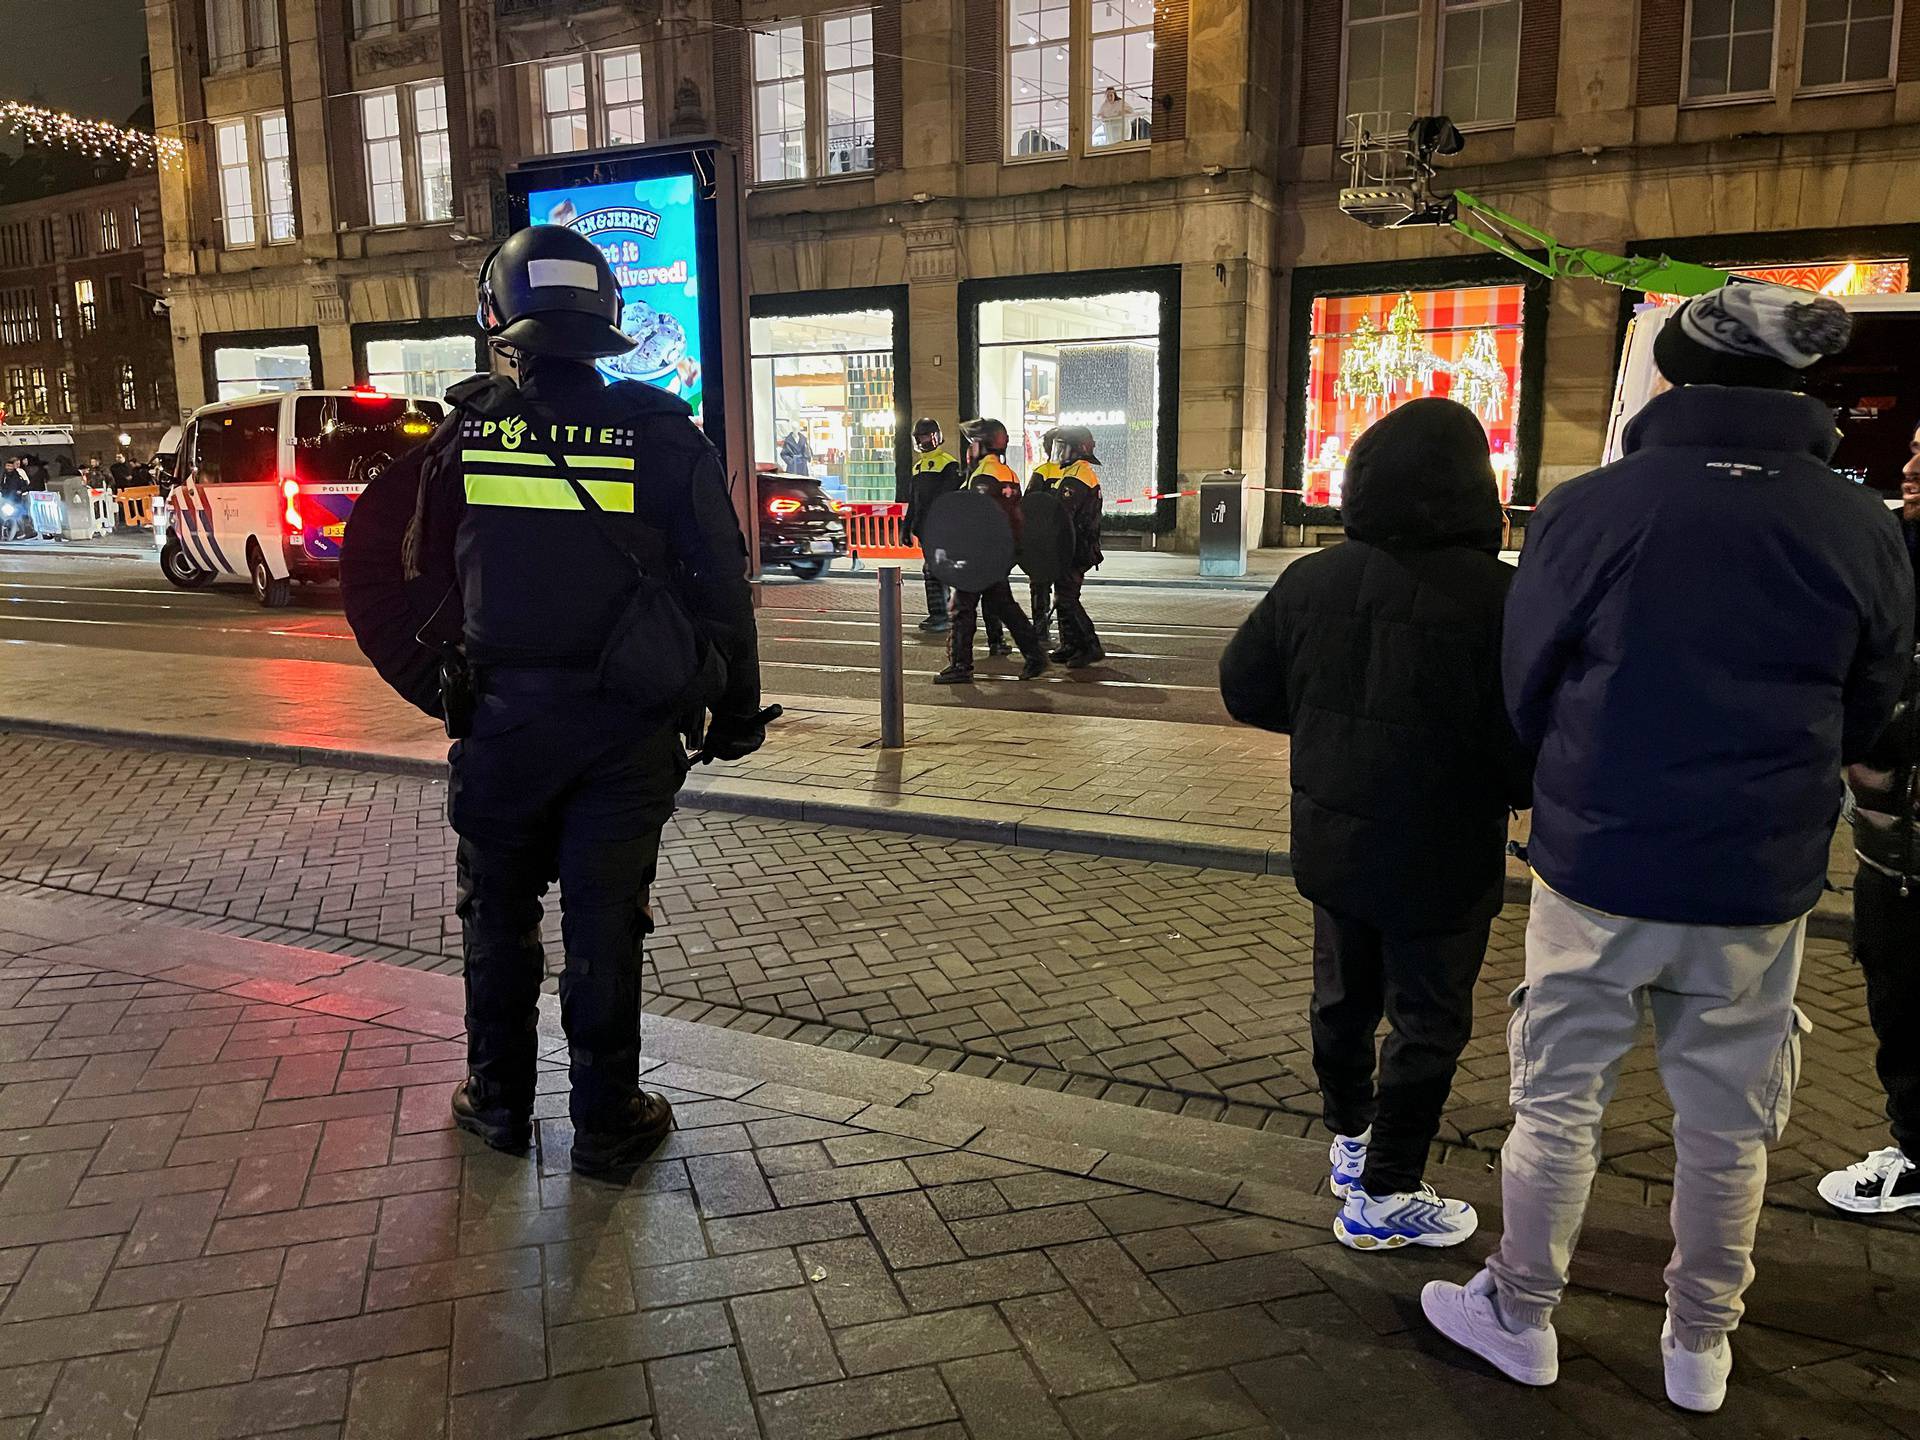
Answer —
(1052, 529)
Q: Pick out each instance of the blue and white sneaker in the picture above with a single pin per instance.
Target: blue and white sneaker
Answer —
(1348, 1155)
(1387, 1222)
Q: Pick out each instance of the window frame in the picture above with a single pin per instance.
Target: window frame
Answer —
(261, 214)
(253, 53)
(1845, 87)
(1086, 83)
(816, 78)
(109, 229)
(546, 117)
(806, 78)
(1690, 101)
(1436, 102)
(600, 109)
(1425, 16)
(1079, 67)
(417, 151)
(86, 307)
(408, 142)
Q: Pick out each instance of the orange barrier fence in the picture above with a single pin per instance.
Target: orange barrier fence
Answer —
(136, 505)
(875, 532)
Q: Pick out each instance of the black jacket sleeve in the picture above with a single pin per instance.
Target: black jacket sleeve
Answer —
(1253, 671)
(713, 572)
(1885, 651)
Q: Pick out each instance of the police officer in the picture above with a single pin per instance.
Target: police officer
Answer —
(936, 472)
(988, 472)
(1045, 476)
(1078, 487)
(562, 777)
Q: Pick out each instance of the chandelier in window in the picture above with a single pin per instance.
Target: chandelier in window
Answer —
(1377, 364)
(1479, 379)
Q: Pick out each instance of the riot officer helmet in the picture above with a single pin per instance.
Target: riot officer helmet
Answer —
(983, 437)
(547, 290)
(926, 434)
(1075, 442)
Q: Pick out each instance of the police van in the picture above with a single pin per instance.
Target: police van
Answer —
(263, 486)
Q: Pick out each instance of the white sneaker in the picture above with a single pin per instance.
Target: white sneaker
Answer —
(1882, 1183)
(1466, 1315)
(1696, 1380)
(1386, 1222)
(1348, 1156)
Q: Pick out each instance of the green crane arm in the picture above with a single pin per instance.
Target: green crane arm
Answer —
(1497, 230)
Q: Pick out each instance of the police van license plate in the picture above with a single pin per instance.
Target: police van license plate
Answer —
(822, 547)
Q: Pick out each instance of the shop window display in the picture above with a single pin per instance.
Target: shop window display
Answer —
(240, 371)
(1829, 277)
(823, 400)
(1370, 353)
(1088, 360)
(424, 367)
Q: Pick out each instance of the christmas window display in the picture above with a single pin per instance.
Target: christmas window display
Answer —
(1829, 277)
(1370, 353)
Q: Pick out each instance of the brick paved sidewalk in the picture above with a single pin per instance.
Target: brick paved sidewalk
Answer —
(232, 1205)
(1145, 789)
(1152, 985)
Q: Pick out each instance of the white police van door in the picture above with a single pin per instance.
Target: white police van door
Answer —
(227, 513)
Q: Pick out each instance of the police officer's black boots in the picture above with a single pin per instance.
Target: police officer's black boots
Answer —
(648, 1119)
(959, 669)
(501, 1126)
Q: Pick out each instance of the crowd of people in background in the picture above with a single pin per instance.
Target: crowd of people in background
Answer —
(1699, 640)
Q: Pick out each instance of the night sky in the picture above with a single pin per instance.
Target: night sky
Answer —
(78, 55)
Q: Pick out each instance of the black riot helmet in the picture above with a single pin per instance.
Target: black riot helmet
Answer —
(1073, 442)
(983, 437)
(548, 290)
(926, 434)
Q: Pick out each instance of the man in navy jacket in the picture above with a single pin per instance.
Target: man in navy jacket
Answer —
(1699, 637)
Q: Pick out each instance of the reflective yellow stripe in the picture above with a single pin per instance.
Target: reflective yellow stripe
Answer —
(547, 492)
(526, 457)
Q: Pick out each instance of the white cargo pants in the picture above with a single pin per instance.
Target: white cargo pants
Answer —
(1728, 1042)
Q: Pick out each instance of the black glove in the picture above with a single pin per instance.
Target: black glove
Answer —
(734, 737)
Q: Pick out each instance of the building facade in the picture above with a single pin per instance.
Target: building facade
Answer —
(1765, 135)
(82, 342)
(1119, 213)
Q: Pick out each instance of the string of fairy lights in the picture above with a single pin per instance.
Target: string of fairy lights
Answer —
(103, 140)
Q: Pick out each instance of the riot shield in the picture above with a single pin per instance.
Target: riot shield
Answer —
(968, 541)
(386, 610)
(1046, 537)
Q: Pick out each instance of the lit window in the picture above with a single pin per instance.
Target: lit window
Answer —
(57, 313)
(1480, 60)
(433, 152)
(1730, 49)
(276, 177)
(83, 306)
(109, 229)
(623, 111)
(139, 237)
(780, 104)
(1039, 76)
(129, 389)
(37, 390)
(563, 105)
(1383, 43)
(236, 183)
(1847, 42)
(386, 168)
(421, 365)
(846, 56)
(1121, 95)
(65, 381)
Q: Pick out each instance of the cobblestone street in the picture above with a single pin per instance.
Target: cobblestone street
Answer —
(233, 1205)
(1151, 985)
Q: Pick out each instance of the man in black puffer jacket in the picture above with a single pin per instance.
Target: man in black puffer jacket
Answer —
(1381, 658)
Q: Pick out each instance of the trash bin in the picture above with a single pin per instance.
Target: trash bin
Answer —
(1223, 523)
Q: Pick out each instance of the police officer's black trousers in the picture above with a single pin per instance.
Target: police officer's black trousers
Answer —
(566, 787)
(999, 604)
(1076, 626)
(1040, 606)
(936, 595)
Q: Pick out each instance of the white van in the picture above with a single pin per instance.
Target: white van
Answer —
(263, 486)
(1873, 386)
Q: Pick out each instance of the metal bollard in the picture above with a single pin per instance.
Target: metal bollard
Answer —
(893, 689)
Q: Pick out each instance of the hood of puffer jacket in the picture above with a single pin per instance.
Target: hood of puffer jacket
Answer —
(1420, 478)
